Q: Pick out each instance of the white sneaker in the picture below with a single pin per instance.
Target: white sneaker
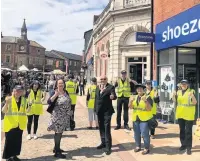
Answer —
(28, 137)
(35, 136)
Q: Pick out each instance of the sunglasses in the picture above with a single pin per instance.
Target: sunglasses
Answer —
(103, 79)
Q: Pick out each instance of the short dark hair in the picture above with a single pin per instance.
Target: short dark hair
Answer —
(35, 82)
(56, 84)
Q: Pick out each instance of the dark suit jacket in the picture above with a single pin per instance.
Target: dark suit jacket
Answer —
(103, 103)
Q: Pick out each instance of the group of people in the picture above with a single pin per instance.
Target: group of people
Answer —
(20, 111)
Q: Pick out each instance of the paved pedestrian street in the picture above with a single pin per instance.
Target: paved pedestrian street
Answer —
(81, 144)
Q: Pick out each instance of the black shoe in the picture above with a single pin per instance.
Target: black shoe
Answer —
(101, 146)
(146, 151)
(97, 128)
(189, 152)
(15, 158)
(71, 129)
(54, 151)
(90, 128)
(127, 127)
(10, 159)
(137, 150)
(108, 152)
(117, 127)
(182, 148)
(59, 155)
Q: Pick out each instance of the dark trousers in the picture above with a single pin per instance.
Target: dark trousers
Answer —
(72, 122)
(105, 130)
(185, 132)
(13, 143)
(122, 101)
(30, 120)
(152, 131)
(82, 90)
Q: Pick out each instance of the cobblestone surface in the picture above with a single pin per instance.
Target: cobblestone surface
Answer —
(81, 144)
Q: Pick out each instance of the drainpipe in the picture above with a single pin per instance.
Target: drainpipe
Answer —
(151, 49)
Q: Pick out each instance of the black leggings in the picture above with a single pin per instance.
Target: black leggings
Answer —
(30, 120)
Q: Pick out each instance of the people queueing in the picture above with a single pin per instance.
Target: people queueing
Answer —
(123, 86)
(35, 99)
(105, 93)
(60, 104)
(142, 113)
(72, 89)
(15, 121)
(153, 93)
(90, 102)
(185, 114)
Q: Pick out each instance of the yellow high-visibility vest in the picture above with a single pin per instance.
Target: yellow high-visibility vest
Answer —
(92, 91)
(15, 118)
(154, 108)
(123, 89)
(71, 88)
(140, 111)
(37, 107)
(185, 109)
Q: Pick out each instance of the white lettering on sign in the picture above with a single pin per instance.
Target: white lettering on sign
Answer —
(187, 28)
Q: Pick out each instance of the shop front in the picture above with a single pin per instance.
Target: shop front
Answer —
(178, 47)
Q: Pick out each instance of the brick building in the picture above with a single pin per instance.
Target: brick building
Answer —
(53, 62)
(17, 51)
(177, 48)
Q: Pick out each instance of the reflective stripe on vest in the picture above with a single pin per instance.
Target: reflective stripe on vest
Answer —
(154, 108)
(185, 109)
(123, 89)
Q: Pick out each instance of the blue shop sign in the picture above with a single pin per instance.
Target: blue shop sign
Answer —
(180, 29)
(145, 37)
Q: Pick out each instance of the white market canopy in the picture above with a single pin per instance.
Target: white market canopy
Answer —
(58, 71)
(23, 68)
(6, 69)
(35, 70)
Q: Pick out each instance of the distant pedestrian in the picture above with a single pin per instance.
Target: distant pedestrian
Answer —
(60, 103)
(105, 93)
(82, 84)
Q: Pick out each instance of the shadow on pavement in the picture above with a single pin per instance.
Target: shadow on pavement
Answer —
(51, 136)
(167, 135)
(88, 152)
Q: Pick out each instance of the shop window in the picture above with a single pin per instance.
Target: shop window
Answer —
(135, 59)
(167, 56)
(186, 56)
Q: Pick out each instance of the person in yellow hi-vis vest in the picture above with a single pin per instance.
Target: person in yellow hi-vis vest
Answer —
(123, 90)
(185, 114)
(142, 113)
(90, 101)
(35, 99)
(153, 93)
(15, 121)
(72, 89)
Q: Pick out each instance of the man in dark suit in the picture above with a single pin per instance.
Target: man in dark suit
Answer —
(105, 93)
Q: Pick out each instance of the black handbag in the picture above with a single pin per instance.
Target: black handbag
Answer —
(152, 123)
(51, 106)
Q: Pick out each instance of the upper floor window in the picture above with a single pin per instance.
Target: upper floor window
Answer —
(8, 59)
(8, 47)
(61, 63)
(38, 51)
(30, 60)
(49, 62)
(75, 63)
(70, 62)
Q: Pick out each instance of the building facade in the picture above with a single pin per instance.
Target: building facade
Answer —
(53, 62)
(88, 55)
(72, 63)
(177, 49)
(16, 51)
(114, 44)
